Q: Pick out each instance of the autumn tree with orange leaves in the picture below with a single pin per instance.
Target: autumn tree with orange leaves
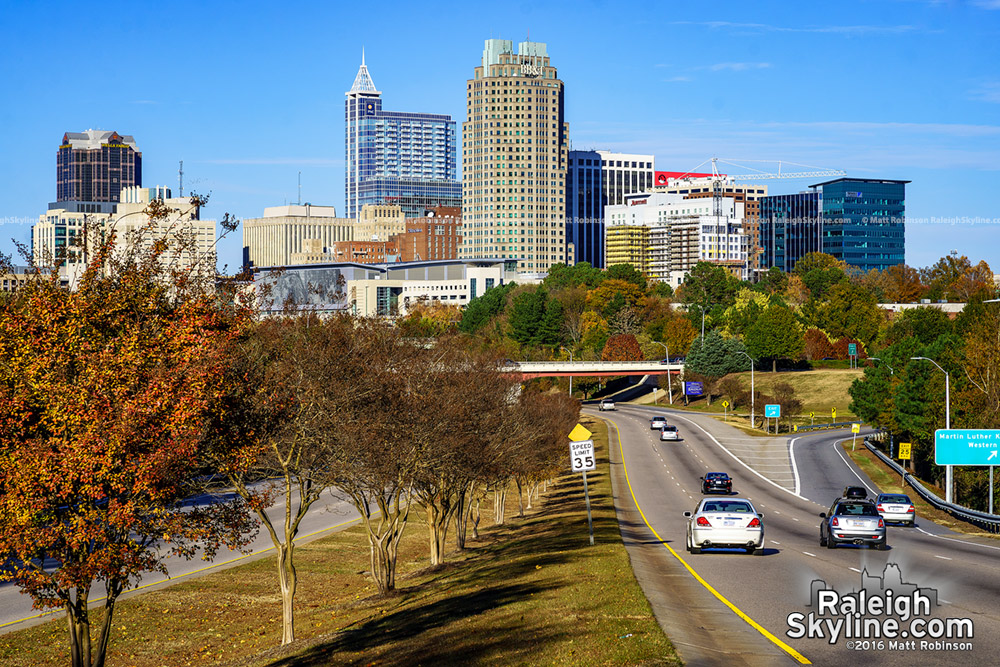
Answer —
(106, 391)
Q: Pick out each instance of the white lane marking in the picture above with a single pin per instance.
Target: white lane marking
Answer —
(777, 512)
(809, 554)
(795, 468)
(942, 557)
(952, 539)
(738, 460)
(855, 569)
(836, 446)
(945, 602)
(794, 519)
(775, 542)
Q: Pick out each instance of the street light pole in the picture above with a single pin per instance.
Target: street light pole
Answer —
(947, 422)
(891, 372)
(670, 391)
(570, 377)
(751, 387)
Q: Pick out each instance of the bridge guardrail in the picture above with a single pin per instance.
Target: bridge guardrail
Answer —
(990, 522)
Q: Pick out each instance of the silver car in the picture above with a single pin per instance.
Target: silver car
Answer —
(607, 404)
(725, 523)
(852, 521)
(669, 432)
(896, 507)
(657, 422)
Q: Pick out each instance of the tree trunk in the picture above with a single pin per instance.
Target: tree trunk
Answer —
(520, 497)
(384, 537)
(114, 590)
(499, 505)
(462, 511)
(774, 365)
(531, 491)
(477, 515)
(438, 517)
(288, 581)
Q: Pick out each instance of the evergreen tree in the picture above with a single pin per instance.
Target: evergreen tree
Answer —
(718, 356)
(483, 308)
(527, 310)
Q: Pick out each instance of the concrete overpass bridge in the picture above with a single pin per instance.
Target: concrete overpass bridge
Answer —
(537, 369)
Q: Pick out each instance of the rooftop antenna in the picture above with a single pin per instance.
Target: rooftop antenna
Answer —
(180, 179)
(300, 173)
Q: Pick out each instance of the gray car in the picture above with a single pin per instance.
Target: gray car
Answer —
(852, 521)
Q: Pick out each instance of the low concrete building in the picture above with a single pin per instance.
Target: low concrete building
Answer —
(386, 289)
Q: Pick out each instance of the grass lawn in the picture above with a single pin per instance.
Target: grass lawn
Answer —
(889, 482)
(530, 591)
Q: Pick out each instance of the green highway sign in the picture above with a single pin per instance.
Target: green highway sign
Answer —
(967, 447)
(852, 349)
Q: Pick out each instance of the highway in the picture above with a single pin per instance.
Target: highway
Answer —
(331, 513)
(662, 480)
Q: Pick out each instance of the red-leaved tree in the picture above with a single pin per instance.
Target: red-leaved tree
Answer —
(106, 392)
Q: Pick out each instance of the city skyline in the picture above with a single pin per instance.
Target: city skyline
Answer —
(896, 90)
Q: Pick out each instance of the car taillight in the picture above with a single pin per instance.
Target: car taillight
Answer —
(754, 523)
(881, 523)
(910, 509)
(834, 522)
(702, 521)
(880, 508)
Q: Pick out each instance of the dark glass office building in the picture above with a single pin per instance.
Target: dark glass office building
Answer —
(396, 157)
(864, 221)
(93, 167)
(860, 221)
(585, 207)
(790, 227)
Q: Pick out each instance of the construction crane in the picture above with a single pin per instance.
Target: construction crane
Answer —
(760, 175)
(756, 175)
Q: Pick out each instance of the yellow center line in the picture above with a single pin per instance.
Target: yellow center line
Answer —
(754, 624)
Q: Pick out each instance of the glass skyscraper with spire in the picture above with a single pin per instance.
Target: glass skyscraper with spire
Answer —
(396, 157)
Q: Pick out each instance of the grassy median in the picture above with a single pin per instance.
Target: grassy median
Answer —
(530, 591)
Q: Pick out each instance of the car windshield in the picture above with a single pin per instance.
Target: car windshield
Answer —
(659, 419)
(856, 509)
(669, 428)
(716, 475)
(727, 506)
(608, 400)
(894, 499)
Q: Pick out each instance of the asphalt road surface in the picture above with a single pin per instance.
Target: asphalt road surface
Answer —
(662, 479)
(331, 513)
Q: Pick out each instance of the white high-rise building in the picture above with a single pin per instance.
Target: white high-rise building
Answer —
(681, 233)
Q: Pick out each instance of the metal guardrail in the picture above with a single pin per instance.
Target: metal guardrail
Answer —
(990, 522)
(813, 427)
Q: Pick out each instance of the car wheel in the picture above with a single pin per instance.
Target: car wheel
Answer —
(758, 552)
(830, 543)
(695, 550)
(882, 547)
(822, 541)
(750, 550)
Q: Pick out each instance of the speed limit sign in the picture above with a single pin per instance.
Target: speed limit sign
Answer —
(581, 455)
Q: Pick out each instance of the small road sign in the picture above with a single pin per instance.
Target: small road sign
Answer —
(966, 447)
(581, 455)
(725, 404)
(772, 410)
(904, 450)
(580, 432)
(855, 428)
(812, 415)
(833, 412)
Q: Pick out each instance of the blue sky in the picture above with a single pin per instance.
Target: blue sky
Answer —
(249, 94)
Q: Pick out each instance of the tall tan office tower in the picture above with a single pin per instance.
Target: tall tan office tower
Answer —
(514, 150)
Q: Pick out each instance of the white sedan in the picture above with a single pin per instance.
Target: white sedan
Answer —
(725, 523)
